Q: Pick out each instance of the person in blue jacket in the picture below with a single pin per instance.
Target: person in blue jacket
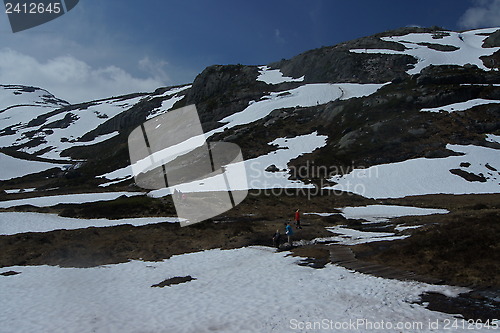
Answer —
(289, 232)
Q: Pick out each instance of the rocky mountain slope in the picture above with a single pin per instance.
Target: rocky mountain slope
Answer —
(392, 97)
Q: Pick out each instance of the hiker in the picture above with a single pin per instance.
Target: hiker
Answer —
(289, 232)
(276, 239)
(178, 194)
(297, 219)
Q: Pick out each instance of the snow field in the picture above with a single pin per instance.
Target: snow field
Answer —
(274, 76)
(347, 236)
(493, 138)
(372, 214)
(66, 199)
(58, 139)
(20, 190)
(461, 106)
(469, 48)
(12, 223)
(167, 104)
(83, 120)
(14, 167)
(425, 176)
(250, 289)
(382, 213)
(303, 96)
(16, 96)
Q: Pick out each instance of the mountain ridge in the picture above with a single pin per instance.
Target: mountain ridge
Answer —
(384, 126)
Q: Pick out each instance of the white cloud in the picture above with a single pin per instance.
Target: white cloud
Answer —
(485, 13)
(277, 35)
(74, 80)
(155, 68)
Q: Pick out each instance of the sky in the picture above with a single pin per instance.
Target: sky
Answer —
(105, 48)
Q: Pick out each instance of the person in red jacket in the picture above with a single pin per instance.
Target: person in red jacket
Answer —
(297, 219)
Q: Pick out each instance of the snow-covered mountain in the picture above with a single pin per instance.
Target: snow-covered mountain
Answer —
(407, 112)
(36, 123)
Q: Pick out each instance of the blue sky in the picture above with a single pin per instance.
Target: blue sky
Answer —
(110, 47)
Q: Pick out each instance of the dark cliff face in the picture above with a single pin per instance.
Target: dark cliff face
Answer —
(493, 40)
(220, 91)
(338, 64)
(216, 80)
